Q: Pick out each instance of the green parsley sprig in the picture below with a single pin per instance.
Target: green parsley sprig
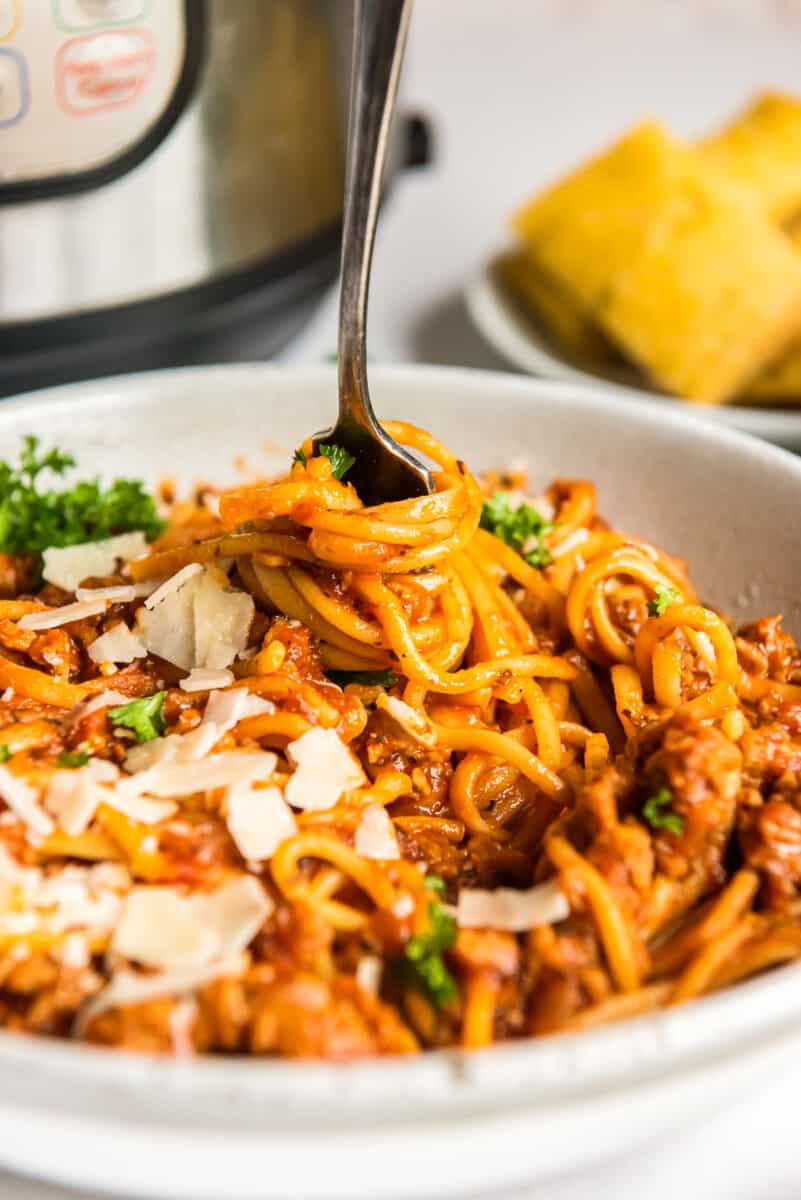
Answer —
(658, 812)
(664, 596)
(384, 679)
(73, 759)
(145, 717)
(423, 966)
(5, 754)
(34, 517)
(341, 461)
(519, 527)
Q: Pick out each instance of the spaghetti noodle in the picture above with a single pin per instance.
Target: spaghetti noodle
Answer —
(374, 780)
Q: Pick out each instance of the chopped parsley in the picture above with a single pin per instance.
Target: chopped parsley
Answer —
(33, 517)
(341, 461)
(522, 528)
(658, 812)
(385, 679)
(5, 754)
(664, 596)
(145, 717)
(300, 458)
(434, 883)
(72, 759)
(423, 965)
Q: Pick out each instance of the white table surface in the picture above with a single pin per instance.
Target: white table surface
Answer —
(516, 91)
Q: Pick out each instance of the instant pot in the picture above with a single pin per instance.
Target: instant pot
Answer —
(170, 179)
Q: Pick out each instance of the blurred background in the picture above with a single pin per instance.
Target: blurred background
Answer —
(171, 171)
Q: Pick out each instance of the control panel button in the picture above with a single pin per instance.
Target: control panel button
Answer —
(9, 18)
(13, 87)
(84, 15)
(104, 71)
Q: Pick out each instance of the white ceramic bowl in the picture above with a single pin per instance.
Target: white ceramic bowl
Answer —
(525, 346)
(446, 1124)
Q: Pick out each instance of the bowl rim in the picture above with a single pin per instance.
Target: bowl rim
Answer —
(517, 1076)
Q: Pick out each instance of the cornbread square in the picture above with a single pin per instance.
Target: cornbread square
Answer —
(553, 310)
(760, 151)
(780, 383)
(695, 286)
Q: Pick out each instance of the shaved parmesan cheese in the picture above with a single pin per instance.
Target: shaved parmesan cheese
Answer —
(118, 645)
(222, 618)
(67, 566)
(61, 616)
(227, 709)
(510, 909)
(176, 747)
(368, 973)
(414, 723)
(73, 795)
(196, 620)
(122, 593)
(259, 819)
(178, 778)
(235, 912)
(375, 834)
(23, 801)
(139, 808)
(324, 769)
(129, 987)
(167, 628)
(158, 927)
(201, 679)
(173, 584)
(164, 928)
(73, 898)
(73, 952)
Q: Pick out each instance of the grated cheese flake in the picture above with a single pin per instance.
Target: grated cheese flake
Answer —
(415, 723)
(375, 834)
(200, 621)
(202, 679)
(185, 778)
(510, 909)
(259, 820)
(68, 566)
(173, 584)
(165, 928)
(117, 645)
(23, 802)
(176, 747)
(130, 987)
(122, 593)
(227, 709)
(324, 769)
(36, 621)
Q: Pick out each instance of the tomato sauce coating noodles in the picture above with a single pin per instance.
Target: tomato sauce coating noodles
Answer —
(319, 780)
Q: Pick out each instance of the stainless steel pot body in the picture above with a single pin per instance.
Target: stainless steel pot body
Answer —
(154, 149)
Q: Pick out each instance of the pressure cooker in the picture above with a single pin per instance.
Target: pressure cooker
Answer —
(170, 179)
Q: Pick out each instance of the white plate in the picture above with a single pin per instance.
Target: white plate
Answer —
(446, 1124)
(519, 340)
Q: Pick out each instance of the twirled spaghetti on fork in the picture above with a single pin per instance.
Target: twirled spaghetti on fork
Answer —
(315, 779)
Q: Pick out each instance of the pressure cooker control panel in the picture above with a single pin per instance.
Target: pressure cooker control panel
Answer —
(83, 86)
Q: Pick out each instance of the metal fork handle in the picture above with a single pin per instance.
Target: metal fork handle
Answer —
(381, 29)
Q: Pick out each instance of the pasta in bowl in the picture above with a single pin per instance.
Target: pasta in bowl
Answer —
(307, 779)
